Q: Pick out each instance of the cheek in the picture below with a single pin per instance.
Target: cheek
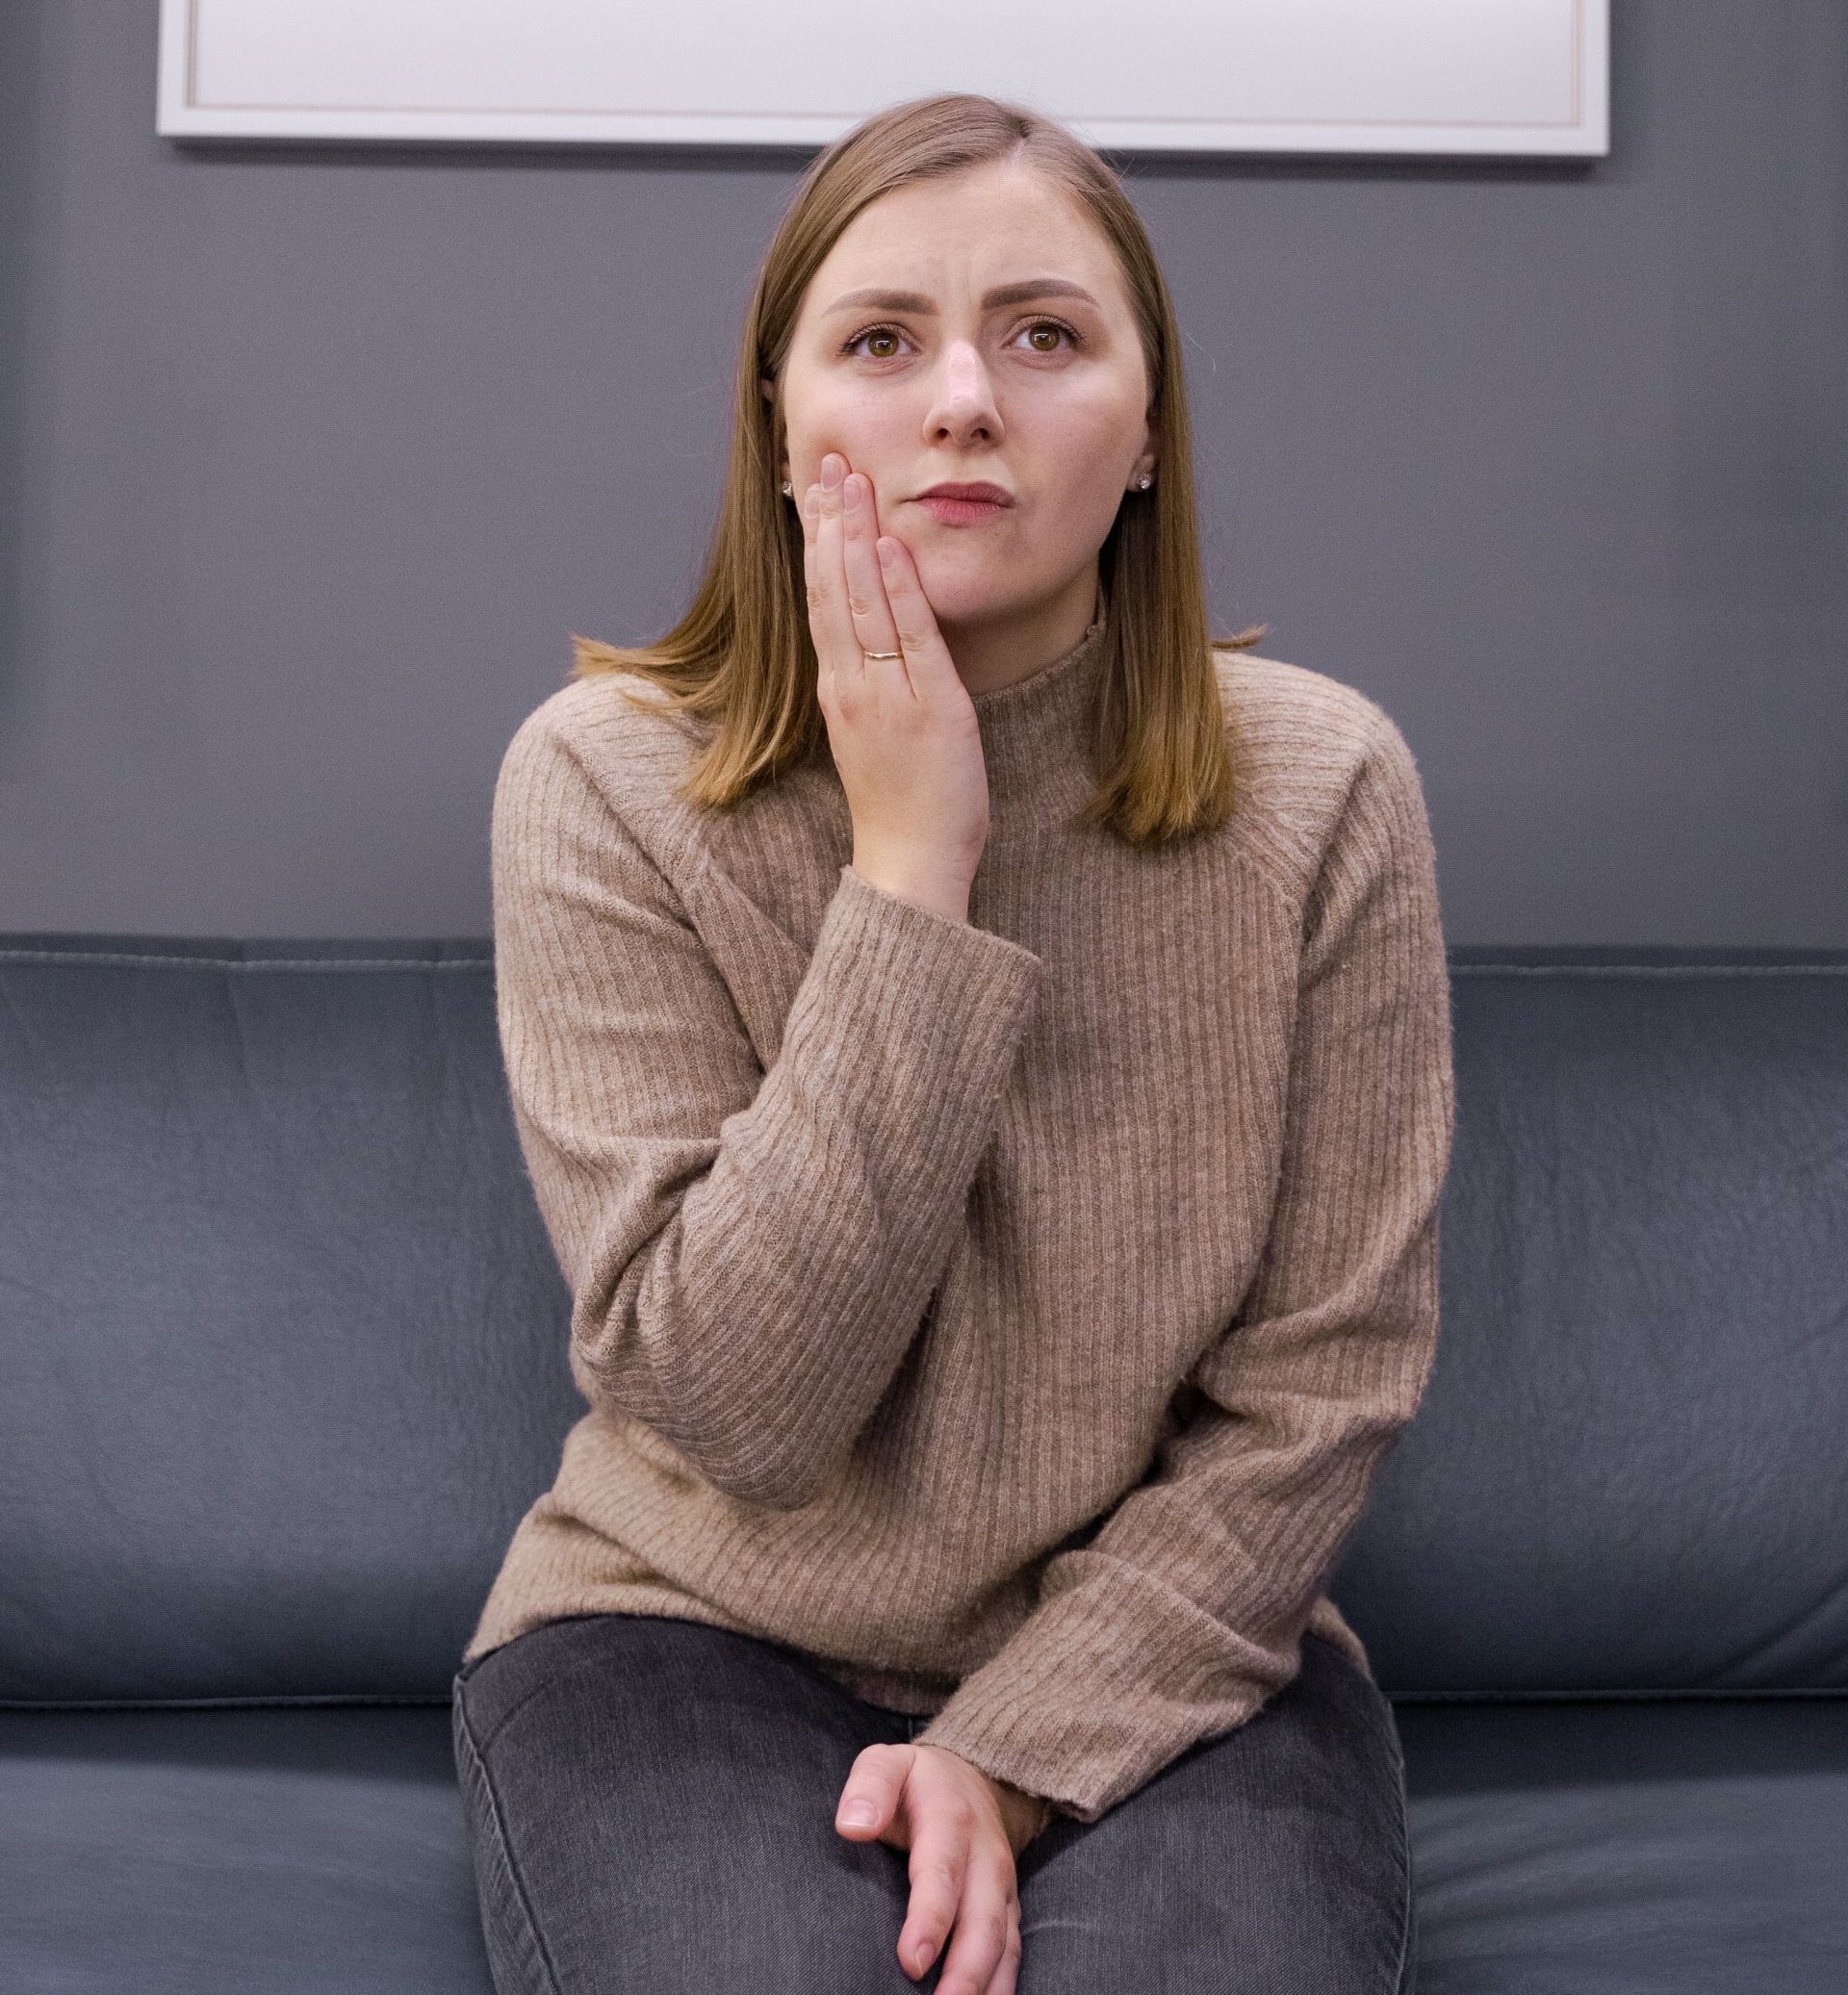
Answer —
(870, 436)
(1082, 425)
(843, 413)
(1088, 469)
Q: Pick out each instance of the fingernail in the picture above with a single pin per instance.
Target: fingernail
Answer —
(861, 1815)
(831, 470)
(852, 492)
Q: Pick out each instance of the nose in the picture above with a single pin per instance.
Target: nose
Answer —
(964, 397)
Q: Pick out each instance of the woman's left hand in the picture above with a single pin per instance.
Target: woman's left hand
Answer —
(964, 1830)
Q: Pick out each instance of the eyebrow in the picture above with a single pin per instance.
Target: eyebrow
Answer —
(1021, 294)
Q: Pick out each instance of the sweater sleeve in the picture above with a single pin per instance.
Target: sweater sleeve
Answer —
(749, 1253)
(1185, 1610)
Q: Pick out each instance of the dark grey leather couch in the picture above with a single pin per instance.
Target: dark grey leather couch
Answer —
(284, 1362)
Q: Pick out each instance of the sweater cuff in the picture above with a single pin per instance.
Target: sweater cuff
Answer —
(1106, 1682)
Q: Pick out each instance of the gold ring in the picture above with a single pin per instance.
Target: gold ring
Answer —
(883, 655)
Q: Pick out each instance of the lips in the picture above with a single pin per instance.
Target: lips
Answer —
(992, 494)
(961, 513)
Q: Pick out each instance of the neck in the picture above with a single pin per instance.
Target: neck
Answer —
(1037, 735)
(1001, 652)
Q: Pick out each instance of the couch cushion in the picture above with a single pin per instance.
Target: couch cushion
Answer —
(1695, 1845)
(236, 1853)
(1608, 1847)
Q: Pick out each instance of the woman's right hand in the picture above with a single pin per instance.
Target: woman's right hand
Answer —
(965, 1833)
(903, 730)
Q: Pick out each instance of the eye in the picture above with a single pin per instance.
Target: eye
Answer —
(1076, 338)
(871, 332)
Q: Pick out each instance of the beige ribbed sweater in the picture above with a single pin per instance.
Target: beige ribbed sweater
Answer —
(1009, 1313)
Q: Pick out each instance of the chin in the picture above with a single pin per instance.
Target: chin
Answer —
(962, 596)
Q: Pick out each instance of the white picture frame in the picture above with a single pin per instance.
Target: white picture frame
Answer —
(1526, 78)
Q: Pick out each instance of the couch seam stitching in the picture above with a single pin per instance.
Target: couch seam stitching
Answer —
(249, 963)
(477, 962)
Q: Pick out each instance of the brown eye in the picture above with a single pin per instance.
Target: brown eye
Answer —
(871, 332)
(1056, 325)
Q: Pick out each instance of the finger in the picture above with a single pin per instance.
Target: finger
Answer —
(927, 658)
(865, 588)
(1007, 1977)
(811, 567)
(836, 638)
(939, 1863)
(875, 1782)
(812, 547)
(986, 1939)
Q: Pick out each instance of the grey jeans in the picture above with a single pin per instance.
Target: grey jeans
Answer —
(651, 1806)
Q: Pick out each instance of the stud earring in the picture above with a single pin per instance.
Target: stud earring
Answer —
(788, 490)
(1143, 483)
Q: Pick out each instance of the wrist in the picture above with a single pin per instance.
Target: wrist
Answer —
(943, 894)
(1027, 1813)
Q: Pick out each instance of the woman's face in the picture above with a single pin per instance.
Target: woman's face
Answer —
(1046, 396)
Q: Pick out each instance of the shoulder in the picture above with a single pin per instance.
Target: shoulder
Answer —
(591, 738)
(1311, 752)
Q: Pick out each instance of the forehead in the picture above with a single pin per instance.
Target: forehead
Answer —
(978, 231)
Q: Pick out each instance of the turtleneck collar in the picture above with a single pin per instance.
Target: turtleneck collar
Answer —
(1036, 733)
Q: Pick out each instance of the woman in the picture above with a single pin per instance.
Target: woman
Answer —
(982, 1050)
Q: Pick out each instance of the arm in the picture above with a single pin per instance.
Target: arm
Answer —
(1185, 1611)
(749, 1253)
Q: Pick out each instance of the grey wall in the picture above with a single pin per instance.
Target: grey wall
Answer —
(311, 457)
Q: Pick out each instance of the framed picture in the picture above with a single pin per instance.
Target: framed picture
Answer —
(1524, 77)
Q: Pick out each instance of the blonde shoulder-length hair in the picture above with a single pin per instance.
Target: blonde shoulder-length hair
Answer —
(742, 657)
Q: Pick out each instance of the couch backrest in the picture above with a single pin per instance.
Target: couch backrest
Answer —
(1629, 1470)
(285, 1339)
